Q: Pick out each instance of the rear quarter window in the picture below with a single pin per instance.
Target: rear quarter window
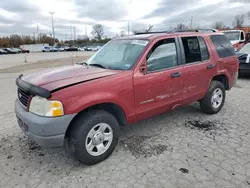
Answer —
(223, 46)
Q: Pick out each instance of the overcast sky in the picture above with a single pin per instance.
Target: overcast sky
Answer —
(23, 16)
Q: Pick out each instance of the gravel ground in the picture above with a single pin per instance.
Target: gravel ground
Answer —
(182, 148)
(11, 60)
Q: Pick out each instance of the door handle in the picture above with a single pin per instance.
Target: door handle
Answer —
(175, 74)
(210, 66)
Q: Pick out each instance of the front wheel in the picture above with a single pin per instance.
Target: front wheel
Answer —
(93, 136)
(214, 100)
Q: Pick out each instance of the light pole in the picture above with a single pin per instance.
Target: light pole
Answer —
(130, 2)
(53, 30)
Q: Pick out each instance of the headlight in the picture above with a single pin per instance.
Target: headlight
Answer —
(44, 107)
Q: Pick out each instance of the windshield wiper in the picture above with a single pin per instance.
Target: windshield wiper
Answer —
(82, 63)
(97, 65)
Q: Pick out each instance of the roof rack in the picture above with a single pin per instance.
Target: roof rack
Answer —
(177, 30)
(195, 30)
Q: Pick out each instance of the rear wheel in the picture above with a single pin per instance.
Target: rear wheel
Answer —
(93, 136)
(214, 99)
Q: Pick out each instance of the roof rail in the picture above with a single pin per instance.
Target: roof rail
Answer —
(177, 30)
(194, 30)
(150, 32)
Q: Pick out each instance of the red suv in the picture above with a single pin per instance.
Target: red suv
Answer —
(127, 80)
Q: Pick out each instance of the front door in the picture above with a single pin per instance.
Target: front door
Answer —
(160, 89)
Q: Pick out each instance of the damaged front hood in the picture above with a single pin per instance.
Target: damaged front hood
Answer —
(69, 75)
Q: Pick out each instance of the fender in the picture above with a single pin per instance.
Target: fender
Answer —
(82, 103)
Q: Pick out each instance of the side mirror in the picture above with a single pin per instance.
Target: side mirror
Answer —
(143, 67)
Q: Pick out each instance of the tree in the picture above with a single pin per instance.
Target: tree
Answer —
(239, 20)
(218, 25)
(97, 31)
(147, 30)
(122, 33)
(181, 26)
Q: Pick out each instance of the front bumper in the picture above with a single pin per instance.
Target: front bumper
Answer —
(46, 131)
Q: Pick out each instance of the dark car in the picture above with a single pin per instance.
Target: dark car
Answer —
(24, 50)
(244, 58)
(11, 51)
(3, 52)
(72, 48)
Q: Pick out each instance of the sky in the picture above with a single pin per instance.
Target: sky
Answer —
(29, 17)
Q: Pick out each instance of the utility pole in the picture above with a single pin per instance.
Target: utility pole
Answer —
(53, 29)
(86, 33)
(70, 27)
(37, 30)
(74, 29)
(130, 2)
(191, 23)
(128, 28)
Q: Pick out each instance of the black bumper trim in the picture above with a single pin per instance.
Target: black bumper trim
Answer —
(32, 89)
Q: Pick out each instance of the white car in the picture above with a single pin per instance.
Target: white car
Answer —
(61, 49)
(45, 49)
(81, 49)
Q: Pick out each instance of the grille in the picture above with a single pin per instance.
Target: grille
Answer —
(23, 97)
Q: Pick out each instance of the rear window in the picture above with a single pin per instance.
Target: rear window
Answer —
(223, 46)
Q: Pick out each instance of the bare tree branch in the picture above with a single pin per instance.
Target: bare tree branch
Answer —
(181, 26)
(97, 31)
(218, 25)
(239, 20)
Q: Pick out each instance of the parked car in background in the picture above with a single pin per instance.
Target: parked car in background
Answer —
(128, 80)
(24, 50)
(244, 58)
(92, 48)
(238, 37)
(54, 49)
(61, 49)
(11, 51)
(3, 52)
(17, 50)
(88, 48)
(45, 49)
(72, 48)
(81, 49)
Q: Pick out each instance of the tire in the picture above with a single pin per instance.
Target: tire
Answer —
(209, 107)
(85, 125)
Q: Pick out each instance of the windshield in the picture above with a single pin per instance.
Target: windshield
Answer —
(245, 49)
(119, 54)
(233, 35)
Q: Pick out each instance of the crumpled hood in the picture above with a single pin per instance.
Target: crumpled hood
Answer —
(61, 77)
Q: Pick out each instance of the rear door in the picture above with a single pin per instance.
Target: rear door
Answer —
(227, 62)
(160, 88)
(198, 67)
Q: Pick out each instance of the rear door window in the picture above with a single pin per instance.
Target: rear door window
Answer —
(223, 46)
(203, 48)
(192, 49)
